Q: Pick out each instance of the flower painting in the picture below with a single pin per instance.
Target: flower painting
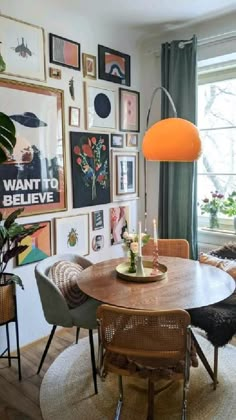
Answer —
(90, 169)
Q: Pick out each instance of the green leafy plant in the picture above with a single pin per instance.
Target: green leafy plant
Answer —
(11, 235)
(229, 207)
(7, 137)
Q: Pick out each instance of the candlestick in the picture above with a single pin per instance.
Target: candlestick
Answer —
(139, 239)
(155, 260)
(139, 267)
(154, 232)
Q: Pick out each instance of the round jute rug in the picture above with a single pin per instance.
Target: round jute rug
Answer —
(67, 391)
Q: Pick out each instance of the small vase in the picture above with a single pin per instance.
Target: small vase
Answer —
(132, 266)
(213, 221)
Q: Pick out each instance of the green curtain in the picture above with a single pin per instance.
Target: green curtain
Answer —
(178, 181)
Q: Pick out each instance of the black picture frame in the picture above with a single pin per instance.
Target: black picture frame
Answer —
(97, 219)
(117, 140)
(56, 51)
(123, 60)
(129, 110)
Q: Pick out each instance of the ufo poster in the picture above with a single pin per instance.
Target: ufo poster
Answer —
(33, 177)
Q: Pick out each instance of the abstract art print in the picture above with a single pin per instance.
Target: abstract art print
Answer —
(129, 110)
(72, 234)
(119, 220)
(64, 52)
(100, 108)
(97, 219)
(89, 66)
(113, 66)
(33, 176)
(90, 169)
(22, 49)
(124, 175)
(39, 245)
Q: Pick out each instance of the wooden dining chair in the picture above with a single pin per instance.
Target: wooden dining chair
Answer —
(146, 344)
(168, 248)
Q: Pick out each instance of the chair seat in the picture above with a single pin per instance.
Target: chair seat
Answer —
(218, 320)
(85, 312)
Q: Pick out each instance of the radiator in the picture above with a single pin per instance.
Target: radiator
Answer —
(204, 247)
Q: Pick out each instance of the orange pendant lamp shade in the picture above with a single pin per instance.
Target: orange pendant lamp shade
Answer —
(172, 139)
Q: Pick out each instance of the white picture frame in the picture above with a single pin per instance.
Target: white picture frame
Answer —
(124, 185)
(22, 48)
(72, 234)
(100, 108)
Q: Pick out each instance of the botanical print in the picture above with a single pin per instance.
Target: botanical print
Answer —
(22, 49)
(33, 176)
(90, 169)
(72, 234)
(119, 217)
(39, 245)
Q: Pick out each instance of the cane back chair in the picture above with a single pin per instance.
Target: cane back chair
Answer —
(168, 248)
(56, 309)
(144, 344)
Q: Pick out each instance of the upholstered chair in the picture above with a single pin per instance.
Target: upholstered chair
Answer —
(55, 307)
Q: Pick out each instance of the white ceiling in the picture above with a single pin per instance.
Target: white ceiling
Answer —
(148, 16)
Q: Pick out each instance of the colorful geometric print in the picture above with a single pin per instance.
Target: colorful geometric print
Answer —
(65, 52)
(115, 65)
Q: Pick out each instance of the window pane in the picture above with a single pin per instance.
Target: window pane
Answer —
(218, 151)
(224, 184)
(217, 104)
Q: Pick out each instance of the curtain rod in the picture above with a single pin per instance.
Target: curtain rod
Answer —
(216, 39)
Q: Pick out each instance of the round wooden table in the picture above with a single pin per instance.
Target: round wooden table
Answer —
(189, 285)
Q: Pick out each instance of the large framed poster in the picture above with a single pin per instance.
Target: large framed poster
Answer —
(33, 177)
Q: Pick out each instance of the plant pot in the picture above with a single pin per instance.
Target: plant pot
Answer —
(7, 299)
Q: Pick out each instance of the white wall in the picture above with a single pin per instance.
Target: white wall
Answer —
(151, 71)
(56, 17)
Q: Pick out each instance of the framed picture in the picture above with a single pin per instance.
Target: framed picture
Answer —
(113, 66)
(90, 169)
(124, 175)
(74, 116)
(39, 245)
(100, 108)
(129, 109)
(117, 140)
(54, 73)
(22, 49)
(64, 52)
(131, 140)
(119, 223)
(89, 66)
(72, 234)
(33, 177)
(97, 242)
(97, 219)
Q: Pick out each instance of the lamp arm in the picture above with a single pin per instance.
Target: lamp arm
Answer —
(152, 99)
(145, 161)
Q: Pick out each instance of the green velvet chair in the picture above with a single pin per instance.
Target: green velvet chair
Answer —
(56, 309)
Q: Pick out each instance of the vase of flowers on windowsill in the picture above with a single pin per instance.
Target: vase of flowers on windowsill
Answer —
(131, 242)
(229, 207)
(213, 206)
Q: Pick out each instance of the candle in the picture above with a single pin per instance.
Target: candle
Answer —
(154, 231)
(139, 239)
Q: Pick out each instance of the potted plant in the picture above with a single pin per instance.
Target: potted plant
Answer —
(11, 234)
(212, 206)
(229, 207)
(7, 137)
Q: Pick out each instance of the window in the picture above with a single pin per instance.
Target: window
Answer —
(217, 125)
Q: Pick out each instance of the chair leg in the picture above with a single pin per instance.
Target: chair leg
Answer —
(150, 414)
(77, 335)
(120, 400)
(93, 361)
(47, 347)
(8, 346)
(215, 366)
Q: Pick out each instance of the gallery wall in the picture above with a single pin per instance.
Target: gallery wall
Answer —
(70, 107)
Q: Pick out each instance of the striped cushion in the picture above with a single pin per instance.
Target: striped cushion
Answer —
(65, 275)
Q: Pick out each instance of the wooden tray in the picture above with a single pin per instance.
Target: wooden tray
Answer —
(122, 272)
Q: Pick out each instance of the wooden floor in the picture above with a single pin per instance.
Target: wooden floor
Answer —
(20, 400)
